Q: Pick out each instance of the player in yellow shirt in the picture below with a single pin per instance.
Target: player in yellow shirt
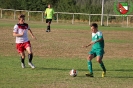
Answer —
(49, 12)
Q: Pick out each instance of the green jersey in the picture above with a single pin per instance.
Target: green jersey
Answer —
(49, 12)
(96, 36)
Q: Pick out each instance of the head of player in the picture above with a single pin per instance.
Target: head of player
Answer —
(21, 19)
(49, 5)
(94, 28)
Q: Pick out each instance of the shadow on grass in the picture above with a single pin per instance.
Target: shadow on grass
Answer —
(123, 70)
(44, 68)
(120, 77)
(63, 69)
(110, 73)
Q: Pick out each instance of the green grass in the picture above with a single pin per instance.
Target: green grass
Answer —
(118, 41)
(59, 51)
(33, 24)
(54, 73)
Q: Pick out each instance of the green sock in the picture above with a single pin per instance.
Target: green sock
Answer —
(102, 66)
(90, 66)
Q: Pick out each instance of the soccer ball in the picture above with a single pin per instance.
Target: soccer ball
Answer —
(73, 73)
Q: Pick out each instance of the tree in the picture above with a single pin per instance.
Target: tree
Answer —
(8, 4)
(73, 6)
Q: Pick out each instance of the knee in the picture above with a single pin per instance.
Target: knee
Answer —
(48, 23)
(31, 53)
(89, 57)
(99, 60)
(23, 56)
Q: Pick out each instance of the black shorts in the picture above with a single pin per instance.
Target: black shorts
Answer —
(48, 20)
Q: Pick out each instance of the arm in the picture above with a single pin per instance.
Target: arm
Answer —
(15, 32)
(54, 15)
(93, 42)
(88, 44)
(18, 35)
(31, 34)
(99, 40)
(45, 14)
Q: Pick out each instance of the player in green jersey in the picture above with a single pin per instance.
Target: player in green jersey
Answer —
(97, 49)
(49, 12)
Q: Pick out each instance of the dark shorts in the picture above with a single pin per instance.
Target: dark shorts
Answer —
(48, 20)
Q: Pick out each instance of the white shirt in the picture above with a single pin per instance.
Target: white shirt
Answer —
(99, 33)
(19, 28)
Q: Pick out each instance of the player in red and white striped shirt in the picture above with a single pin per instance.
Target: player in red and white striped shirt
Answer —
(22, 41)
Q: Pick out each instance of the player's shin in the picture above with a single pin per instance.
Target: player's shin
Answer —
(22, 60)
(30, 56)
(102, 66)
(48, 29)
(90, 66)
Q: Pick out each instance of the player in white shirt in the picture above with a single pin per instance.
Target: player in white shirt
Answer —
(22, 41)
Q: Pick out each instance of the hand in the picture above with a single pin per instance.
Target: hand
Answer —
(22, 33)
(34, 37)
(84, 46)
(55, 18)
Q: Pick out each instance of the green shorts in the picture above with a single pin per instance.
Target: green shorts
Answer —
(97, 52)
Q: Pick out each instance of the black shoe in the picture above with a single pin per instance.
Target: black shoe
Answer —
(89, 74)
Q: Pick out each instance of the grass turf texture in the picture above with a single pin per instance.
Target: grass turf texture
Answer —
(54, 73)
(57, 52)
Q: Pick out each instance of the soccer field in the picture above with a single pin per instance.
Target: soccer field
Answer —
(57, 52)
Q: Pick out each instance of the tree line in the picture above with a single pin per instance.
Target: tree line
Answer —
(87, 6)
(74, 6)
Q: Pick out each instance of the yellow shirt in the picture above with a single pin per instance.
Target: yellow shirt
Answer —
(49, 13)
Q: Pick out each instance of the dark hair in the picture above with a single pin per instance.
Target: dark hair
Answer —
(94, 25)
(21, 16)
(50, 5)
